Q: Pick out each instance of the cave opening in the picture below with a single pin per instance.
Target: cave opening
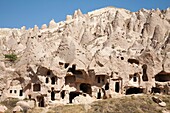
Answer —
(99, 94)
(117, 87)
(86, 88)
(53, 79)
(72, 95)
(131, 60)
(52, 95)
(36, 87)
(134, 90)
(155, 90)
(107, 86)
(162, 76)
(63, 94)
(145, 76)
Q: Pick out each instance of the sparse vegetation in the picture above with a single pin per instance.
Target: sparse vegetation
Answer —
(10, 103)
(11, 57)
(127, 104)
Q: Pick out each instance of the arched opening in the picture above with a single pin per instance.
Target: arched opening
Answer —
(41, 101)
(162, 76)
(21, 93)
(107, 86)
(62, 94)
(145, 76)
(52, 95)
(36, 87)
(99, 94)
(134, 90)
(47, 80)
(86, 88)
(72, 95)
(53, 79)
(135, 78)
(29, 96)
(117, 87)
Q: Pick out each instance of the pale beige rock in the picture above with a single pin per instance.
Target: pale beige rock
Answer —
(107, 52)
(162, 104)
(52, 24)
(3, 108)
(17, 108)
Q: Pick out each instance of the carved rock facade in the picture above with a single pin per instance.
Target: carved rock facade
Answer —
(101, 54)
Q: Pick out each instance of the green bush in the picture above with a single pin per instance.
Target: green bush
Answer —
(11, 57)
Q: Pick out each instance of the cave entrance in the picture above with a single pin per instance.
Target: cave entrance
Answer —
(52, 95)
(21, 93)
(66, 65)
(63, 94)
(117, 87)
(41, 102)
(99, 94)
(131, 60)
(162, 76)
(36, 87)
(134, 90)
(46, 80)
(53, 79)
(86, 88)
(72, 95)
(145, 76)
(155, 90)
(107, 86)
(48, 72)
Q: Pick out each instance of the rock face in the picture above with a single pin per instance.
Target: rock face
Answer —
(101, 54)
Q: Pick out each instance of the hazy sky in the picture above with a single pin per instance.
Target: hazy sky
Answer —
(18, 13)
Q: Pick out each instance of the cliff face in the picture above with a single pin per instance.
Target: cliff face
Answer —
(110, 41)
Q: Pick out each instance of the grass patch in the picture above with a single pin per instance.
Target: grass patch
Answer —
(11, 57)
(126, 104)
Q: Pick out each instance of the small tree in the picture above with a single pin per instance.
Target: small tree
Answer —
(11, 57)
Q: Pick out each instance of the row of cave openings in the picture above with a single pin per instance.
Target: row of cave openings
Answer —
(15, 92)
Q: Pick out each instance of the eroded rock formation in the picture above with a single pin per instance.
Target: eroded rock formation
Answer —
(101, 54)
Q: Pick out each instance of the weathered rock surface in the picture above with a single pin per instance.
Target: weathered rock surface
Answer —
(3, 108)
(130, 47)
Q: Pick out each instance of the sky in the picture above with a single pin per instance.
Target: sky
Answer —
(18, 13)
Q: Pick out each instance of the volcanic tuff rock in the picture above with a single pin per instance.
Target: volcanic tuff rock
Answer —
(103, 40)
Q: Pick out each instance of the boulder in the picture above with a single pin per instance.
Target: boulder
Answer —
(83, 99)
(3, 108)
(24, 105)
(17, 108)
(159, 101)
(162, 104)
